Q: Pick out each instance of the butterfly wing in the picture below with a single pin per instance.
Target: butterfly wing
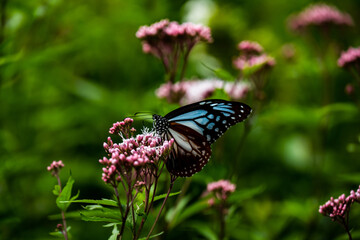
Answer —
(190, 151)
(210, 118)
(194, 128)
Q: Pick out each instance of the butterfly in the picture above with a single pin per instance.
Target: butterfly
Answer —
(194, 128)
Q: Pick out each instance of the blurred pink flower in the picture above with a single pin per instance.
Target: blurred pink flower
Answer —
(222, 189)
(140, 153)
(337, 209)
(250, 47)
(320, 15)
(256, 62)
(349, 57)
(236, 90)
(349, 89)
(187, 92)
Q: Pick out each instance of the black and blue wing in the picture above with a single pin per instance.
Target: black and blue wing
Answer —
(194, 128)
(210, 118)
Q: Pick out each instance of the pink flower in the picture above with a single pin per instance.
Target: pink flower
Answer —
(236, 90)
(320, 15)
(222, 189)
(337, 209)
(187, 92)
(349, 57)
(141, 153)
(255, 63)
(123, 127)
(250, 47)
(55, 167)
(171, 41)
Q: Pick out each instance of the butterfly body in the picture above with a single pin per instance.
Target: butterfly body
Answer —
(194, 128)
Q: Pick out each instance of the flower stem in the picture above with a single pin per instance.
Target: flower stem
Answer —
(64, 231)
(173, 178)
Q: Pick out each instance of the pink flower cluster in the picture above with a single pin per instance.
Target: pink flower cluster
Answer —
(55, 166)
(349, 57)
(163, 37)
(338, 208)
(140, 153)
(222, 189)
(263, 60)
(250, 47)
(320, 15)
(252, 57)
(187, 92)
(123, 127)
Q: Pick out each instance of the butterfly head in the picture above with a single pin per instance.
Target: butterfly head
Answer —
(161, 124)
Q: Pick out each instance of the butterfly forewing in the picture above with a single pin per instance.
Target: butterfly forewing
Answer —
(210, 118)
(194, 128)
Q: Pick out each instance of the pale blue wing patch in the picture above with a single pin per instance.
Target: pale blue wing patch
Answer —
(189, 115)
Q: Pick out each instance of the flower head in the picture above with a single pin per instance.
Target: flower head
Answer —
(254, 63)
(139, 155)
(222, 189)
(161, 38)
(338, 208)
(250, 47)
(171, 41)
(349, 57)
(55, 167)
(320, 15)
(187, 92)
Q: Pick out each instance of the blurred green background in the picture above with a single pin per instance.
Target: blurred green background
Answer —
(69, 69)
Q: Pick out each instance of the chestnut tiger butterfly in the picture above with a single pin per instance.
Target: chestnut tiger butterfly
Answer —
(194, 128)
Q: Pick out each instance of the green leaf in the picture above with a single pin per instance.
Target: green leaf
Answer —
(152, 236)
(192, 210)
(56, 190)
(105, 202)
(57, 234)
(162, 196)
(98, 213)
(182, 211)
(223, 74)
(114, 232)
(203, 229)
(65, 195)
(244, 194)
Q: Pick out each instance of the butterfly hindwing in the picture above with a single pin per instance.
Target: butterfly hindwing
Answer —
(194, 128)
(190, 151)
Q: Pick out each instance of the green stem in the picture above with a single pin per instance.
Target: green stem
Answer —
(173, 178)
(64, 231)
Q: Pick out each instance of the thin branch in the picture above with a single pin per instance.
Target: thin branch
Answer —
(173, 178)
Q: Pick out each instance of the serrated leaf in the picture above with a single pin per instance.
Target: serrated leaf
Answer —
(162, 196)
(101, 214)
(65, 195)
